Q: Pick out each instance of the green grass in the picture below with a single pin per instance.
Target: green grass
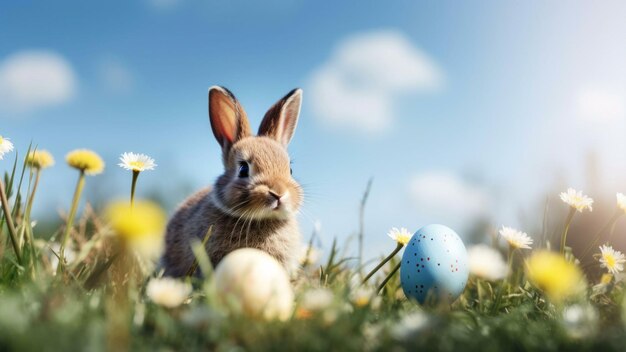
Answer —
(95, 303)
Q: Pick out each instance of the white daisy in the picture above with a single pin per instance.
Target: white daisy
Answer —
(486, 263)
(363, 296)
(136, 162)
(410, 325)
(317, 299)
(168, 292)
(308, 255)
(621, 201)
(515, 238)
(611, 259)
(5, 146)
(401, 236)
(577, 200)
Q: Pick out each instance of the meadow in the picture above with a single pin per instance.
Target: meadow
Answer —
(93, 284)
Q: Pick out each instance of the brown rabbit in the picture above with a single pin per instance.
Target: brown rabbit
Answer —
(255, 202)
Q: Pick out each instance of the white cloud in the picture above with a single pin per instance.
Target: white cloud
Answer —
(115, 76)
(601, 105)
(31, 80)
(445, 198)
(356, 87)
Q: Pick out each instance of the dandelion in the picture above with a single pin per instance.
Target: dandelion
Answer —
(168, 292)
(5, 146)
(515, 238)
(136, 163)
(577, 200)
(39, 159)
(88, 163)
(554, 275)
(621, 201)
(611, 259)
(139, 228)
(602, 287)
(486, 263)
(402, 237)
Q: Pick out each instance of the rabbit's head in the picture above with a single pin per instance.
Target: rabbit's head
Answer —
(257, 181)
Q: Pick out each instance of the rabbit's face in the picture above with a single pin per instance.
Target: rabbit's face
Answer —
(258, 183)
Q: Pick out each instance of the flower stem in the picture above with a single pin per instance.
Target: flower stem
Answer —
(393, 271)
(608, 225)
(7, 214)
(568, 222)
(132, 188)
(388, 258)
(496, 304)
(512, 277)
(29, 206)
(70, 220)
(479, 289)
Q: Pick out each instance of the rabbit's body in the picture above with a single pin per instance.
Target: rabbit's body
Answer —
(280, 238)
(255, 202)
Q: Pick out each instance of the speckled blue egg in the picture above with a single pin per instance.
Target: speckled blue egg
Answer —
(434, 265)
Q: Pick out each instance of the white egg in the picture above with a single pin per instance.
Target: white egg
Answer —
(252, 282)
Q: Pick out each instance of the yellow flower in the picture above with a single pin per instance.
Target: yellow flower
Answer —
(577, 200)
(401, 236)
(39, 159)
(554, 275)
(606, 279)
(621, 201)
(85, 160)
(611, 259)
(140, 227)
(168, 292)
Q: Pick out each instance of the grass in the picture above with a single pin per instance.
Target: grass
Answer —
(98, 301)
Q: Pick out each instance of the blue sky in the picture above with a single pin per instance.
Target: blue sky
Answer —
(456, 109)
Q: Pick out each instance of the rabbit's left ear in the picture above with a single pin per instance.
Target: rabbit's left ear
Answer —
(281, 120)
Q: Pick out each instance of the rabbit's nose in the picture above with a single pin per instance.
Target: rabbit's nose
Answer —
(278, 198)
(275, 195)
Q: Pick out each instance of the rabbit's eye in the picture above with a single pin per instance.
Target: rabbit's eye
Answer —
(244, 169)
(291, 171)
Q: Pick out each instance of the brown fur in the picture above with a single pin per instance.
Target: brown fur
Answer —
(242, 211)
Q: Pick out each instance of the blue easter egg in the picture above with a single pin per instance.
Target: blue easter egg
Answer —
(434, 265)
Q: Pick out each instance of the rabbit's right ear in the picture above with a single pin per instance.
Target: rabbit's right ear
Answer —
(229, 121)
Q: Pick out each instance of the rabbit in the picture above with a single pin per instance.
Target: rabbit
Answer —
(255, 201)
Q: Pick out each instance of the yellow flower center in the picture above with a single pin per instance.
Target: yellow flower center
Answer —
(403, 239)
(610, 261)
(1, 139)
(137, 165)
